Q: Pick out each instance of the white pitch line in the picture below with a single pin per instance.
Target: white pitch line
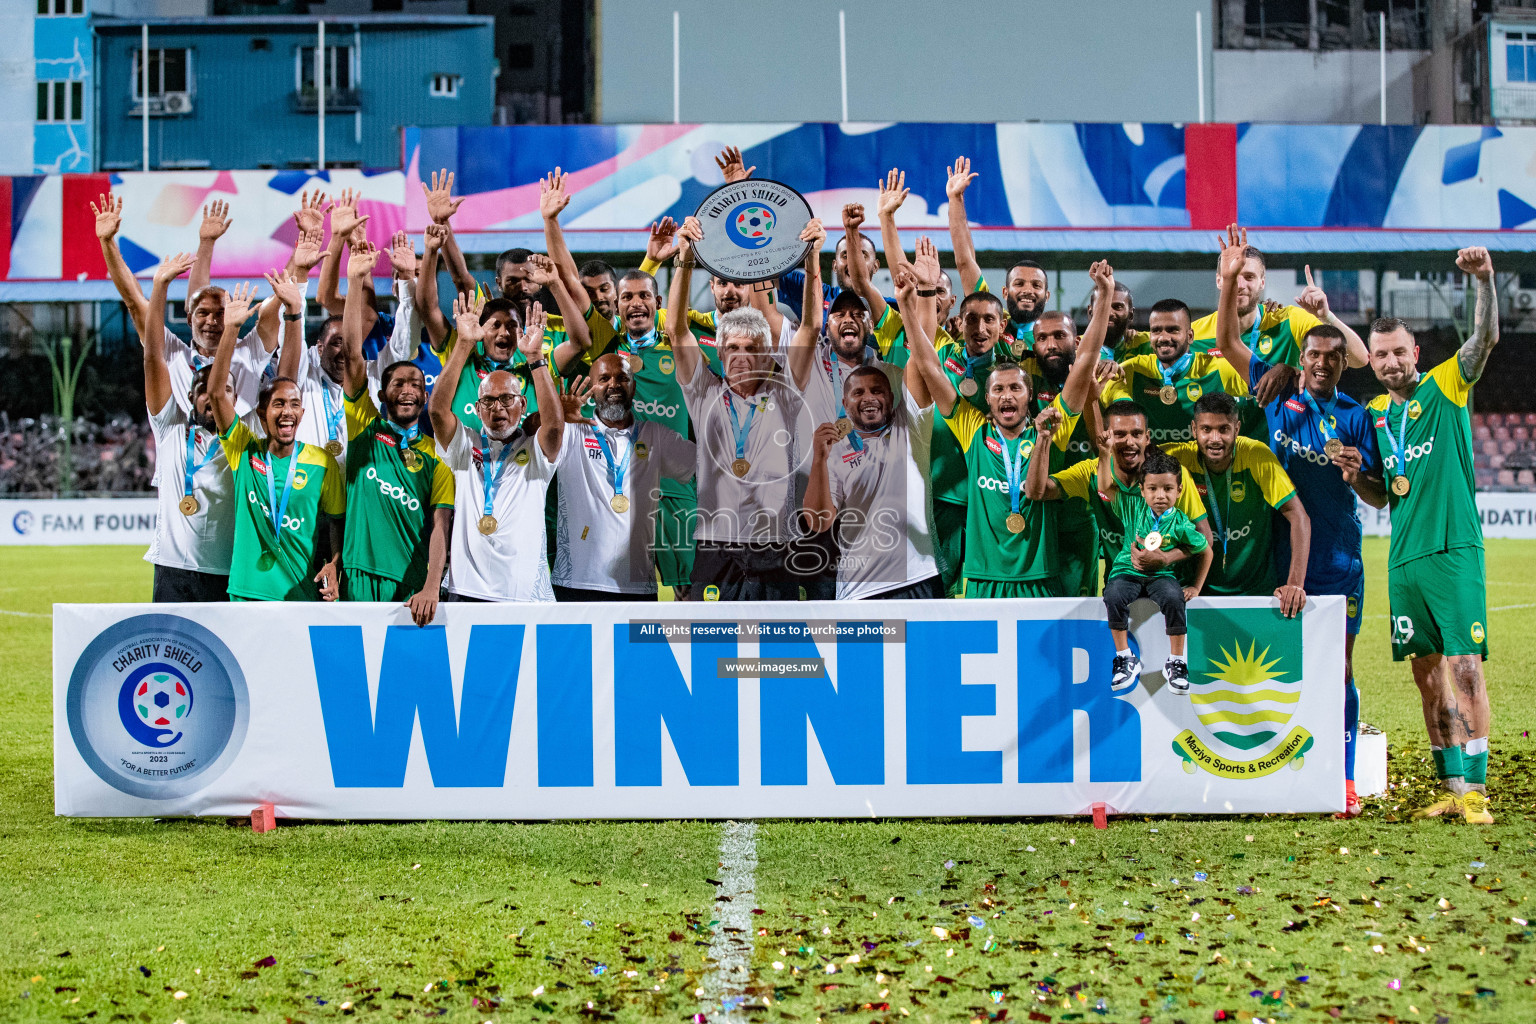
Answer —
(26, 615)
(730, 947)
(1498, 608)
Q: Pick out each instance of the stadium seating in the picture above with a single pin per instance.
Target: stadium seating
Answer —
(1504, 451)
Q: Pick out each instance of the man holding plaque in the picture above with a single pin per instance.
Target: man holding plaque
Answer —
(501, 473)
(401, 493)
(1435, 576)
(1010, 539)
(611, 472)
(1168, 383)
(283, 488)
(195, 527)
(749, 420)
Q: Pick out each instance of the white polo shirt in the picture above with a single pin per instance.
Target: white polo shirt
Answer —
(597, 548)
(510, 564)
(824, 386)
(245, 369)
(205, 540)
(758, 507)
(887, 487)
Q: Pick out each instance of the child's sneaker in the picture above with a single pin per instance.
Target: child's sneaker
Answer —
(1176, 672)
(1127, 672)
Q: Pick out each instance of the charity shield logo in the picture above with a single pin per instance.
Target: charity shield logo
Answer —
(157, 706)
(1245, 686)
(750, 225)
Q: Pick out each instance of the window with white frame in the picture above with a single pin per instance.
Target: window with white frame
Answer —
(60, 101)
(1520, 57)
(445, 85)
(170, 71)
(338, 68)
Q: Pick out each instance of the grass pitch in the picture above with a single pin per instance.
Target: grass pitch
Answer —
(1165, 920)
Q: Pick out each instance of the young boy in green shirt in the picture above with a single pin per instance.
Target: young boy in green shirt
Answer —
(1157, 535)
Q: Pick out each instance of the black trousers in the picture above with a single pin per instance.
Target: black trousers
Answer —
(930, 589)
(1120, 591)
(186, 586)
(572, 594)
(742, 572)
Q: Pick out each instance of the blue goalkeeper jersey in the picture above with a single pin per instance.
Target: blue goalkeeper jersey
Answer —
(1298, 441)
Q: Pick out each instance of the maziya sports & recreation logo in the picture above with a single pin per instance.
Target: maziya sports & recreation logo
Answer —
(750, 225)
(157, 706)
(1245, 686)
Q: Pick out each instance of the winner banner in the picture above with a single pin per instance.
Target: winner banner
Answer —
(820, 709)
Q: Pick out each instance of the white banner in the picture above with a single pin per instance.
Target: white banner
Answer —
(78, 520)
(1504, 514)
(902, 708)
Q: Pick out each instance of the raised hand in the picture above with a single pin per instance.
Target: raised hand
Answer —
(466, 317)
(542, 270)
(853, 219)
(893, 192)
(553, 198)
(1103, 279)
(960, 177)
(287, 290)
(215, 221)
(1230, 264)
(402, 255)
(531, 342)
(1475, 261)
(905, 282)
(238, 304)
(1349, 460)
(361, 262)
(574, 397)
(173, 266)
(825, 437)
(440, 202)
(1312, 298)
(926, 264)
(344, 216)
(309, 250)
(1106, 371)
(109, 216)
(691, 232)
(732, 167)
(814, 233)
(434, 237)
(662, 245)
(310, 216)
(1046, 424)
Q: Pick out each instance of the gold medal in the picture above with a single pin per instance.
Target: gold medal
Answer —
(619, 503)
(1014, 522)
(740, 467)
(1169, 394)
(844, 427)
(968, 387)
(334, 447)
(410, 458)
(1333, 447)
(1153, 541)
(1400, 485)
(188, 506)
(487, 525)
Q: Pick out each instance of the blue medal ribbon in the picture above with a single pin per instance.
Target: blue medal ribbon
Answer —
(1013, 466)
(1156, 525)
(651, 340)
(1216, 514)
(1324, 413)
(490, 482)
(1399, 440)
(974, 363)
(1177, 370)
(738, 429)
(275, 509)
(835, 375)
(617, 471)
(333, 414)
(191, 470)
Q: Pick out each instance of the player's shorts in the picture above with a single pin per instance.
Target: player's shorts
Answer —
(357, 585)
(1010, 589)
(674, 540)
(1077, 556)
(1439, 605)
(949, 526)
(1353, 590)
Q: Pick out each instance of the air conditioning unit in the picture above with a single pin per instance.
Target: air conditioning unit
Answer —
(176, 103)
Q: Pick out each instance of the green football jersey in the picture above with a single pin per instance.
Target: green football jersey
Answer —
(1241, 502)
(1143, 384)
(1275, 336)
(1074, 516)
(391, 498)
(1079, 481)
(992, 551)
(951, 479)
(1135, 343)
(1428, 439)
(1174, 526)
(265, 567)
